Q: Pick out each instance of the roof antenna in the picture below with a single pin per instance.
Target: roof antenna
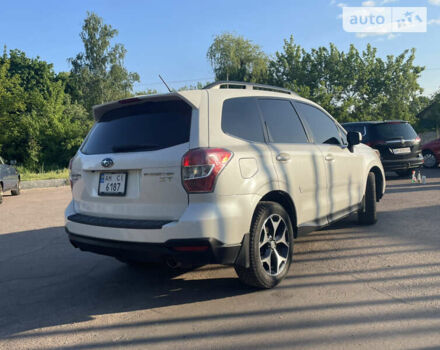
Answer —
(163, 81)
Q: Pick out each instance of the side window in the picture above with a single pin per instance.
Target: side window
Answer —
(241, 118)
(282, 121)
(323, 128)
(343, 136)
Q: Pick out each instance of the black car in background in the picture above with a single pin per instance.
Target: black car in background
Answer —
(396, 140)
(9, 179)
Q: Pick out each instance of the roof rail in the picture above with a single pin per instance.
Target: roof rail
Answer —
(249, 86)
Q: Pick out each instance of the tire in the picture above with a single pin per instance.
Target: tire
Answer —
(271, 237)
(17, 190)
(367, 214)
(430, 160)
(404, 173)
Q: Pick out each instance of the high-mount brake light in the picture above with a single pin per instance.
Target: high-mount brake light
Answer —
(129, 100)
(201, 166)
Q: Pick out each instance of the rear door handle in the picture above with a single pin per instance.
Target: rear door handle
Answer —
(283, 157)
(329, 158)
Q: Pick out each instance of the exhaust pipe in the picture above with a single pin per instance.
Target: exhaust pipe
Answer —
(172, 263)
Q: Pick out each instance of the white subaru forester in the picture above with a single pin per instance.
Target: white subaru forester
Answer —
(229, 174)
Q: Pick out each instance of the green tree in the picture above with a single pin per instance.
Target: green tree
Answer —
(198, 86)
(235, 58)
(98, 74)
(351, 85)
(11, 104)
(40, 126)
(429, 117)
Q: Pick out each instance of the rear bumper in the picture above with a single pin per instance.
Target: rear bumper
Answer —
(185, 251)
(402, 164)
(223, 218)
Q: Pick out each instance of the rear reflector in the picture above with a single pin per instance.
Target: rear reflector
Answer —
(201, 166)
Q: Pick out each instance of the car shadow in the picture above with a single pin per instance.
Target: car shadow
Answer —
(46, 282)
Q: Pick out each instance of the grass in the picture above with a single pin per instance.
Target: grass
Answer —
(26, 175)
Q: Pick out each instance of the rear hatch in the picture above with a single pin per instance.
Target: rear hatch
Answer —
(129, 166)
(395, 140)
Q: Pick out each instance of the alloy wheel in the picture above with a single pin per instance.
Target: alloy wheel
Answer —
(274, 245)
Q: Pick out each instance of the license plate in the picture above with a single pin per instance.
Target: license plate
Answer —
(112, 184)
(404, 150)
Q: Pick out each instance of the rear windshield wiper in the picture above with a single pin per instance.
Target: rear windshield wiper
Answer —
(136, 147)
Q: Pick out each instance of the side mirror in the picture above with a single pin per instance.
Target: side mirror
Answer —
(13, 162)
(353, 138)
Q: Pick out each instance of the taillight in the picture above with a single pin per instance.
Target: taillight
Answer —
(201, 166)
(72, 177)
(417, 140)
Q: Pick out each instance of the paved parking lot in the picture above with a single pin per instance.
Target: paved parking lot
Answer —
(350, 287)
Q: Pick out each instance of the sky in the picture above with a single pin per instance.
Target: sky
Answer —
(171, 38)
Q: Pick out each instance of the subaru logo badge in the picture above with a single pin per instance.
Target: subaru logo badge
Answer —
(107, 162)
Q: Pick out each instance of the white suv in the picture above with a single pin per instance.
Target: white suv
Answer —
(229, 174)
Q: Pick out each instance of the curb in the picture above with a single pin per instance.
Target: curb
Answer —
(25, 185)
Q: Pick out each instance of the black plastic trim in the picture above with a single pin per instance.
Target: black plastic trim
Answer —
(216, 252)
(117, 223)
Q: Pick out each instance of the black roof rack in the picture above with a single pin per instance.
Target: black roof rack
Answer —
(249, 86)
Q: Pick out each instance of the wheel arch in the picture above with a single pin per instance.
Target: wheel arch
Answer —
(285, 200)
(379, 177)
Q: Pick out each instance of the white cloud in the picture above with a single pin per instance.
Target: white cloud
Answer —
(368, 3)
(434, 21)
(434, 2)
(339, 16)
(341, 4)
(383, 2)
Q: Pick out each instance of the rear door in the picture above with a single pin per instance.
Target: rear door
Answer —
(396, 140)
(343, 168)
(130, 164)
(298, 163)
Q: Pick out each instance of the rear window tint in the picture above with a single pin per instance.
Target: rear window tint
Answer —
(240, 117)
(359, 128)
(146, 127)
(389, 131)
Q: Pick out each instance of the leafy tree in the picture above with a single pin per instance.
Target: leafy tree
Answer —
(40, 125)
(429, 117)
(11, 104)
(98, 74)
(145, 92)
(351, 85)
(198, 86)
(235, 58)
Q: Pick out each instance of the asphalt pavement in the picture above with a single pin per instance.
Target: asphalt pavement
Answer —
(375, 287)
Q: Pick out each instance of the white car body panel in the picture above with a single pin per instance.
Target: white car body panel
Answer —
(318, 188)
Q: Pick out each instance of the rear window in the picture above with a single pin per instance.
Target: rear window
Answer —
(359, 128)
(145, 127)
(389, 131)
